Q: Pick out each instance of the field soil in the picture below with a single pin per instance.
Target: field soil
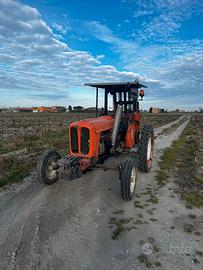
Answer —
(70, 225)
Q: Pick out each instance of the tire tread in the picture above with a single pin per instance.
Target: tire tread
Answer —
(146, 132)
(40, 166)
(125, 177)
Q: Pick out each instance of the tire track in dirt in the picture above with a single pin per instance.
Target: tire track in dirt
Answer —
(14, 219)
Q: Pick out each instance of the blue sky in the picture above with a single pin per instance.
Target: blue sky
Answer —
(49, 49)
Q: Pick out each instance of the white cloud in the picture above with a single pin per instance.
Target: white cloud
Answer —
(60, 28)
(101, 56)
(126, 49)
(35, 63)
(176, 66)
(161, 19)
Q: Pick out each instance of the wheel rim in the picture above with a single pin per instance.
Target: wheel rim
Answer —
(133, 179)
(149, 148)
(51, 173)
(149, 152)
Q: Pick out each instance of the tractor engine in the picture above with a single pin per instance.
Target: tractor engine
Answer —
(90, 138)
(105, 142)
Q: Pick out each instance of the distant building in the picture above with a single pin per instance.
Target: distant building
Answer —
(59, 109)
(22, 109)
(156, 110)
(53, 109)
(163, 111)
(178, 110)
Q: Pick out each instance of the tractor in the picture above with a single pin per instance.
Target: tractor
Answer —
(95, 139)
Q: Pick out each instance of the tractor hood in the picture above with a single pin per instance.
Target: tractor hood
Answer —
(99, 124)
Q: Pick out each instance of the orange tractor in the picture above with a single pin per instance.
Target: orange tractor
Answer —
(92, 140)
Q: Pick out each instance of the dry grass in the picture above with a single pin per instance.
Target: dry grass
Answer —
(184, 161)
(173, 127)
(157, 120)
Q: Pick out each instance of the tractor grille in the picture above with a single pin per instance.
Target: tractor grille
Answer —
(74, 139)
(85, 141)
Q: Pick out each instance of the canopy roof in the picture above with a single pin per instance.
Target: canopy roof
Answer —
(117, 85)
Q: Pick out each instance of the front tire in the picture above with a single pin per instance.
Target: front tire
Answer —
(46, 171)
(146, 149)
(128, 179)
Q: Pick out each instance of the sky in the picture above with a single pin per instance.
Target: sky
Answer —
(50, 48)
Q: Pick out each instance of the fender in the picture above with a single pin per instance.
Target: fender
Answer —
(130, 136)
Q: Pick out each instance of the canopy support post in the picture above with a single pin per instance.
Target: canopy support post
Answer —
(96, 101)
(106, 101)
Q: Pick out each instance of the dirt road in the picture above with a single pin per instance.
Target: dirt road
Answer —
(66, 225)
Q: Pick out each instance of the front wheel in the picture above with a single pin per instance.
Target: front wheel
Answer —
(128, 179)
(46, 167)
(146, 149)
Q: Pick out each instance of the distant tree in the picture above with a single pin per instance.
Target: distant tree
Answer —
(150, 110)
(201, 110)
(78, 108)
(70, 108)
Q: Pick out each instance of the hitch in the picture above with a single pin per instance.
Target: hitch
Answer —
(69, 165)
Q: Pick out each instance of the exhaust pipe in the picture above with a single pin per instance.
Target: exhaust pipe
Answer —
(116, 124)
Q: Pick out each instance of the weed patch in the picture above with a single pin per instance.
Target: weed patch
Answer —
(157, 264)
(188, 228)
(144, 259)
(193, 198)
(192, 216)
(119, 226)
(137, 204)
(153, 199)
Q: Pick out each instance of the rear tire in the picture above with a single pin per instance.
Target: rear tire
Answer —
(46, 173)
(146, 149)
(128, 179)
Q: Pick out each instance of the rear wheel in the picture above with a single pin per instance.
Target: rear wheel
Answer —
(128, 179)
(46, 167)
(146, 149)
